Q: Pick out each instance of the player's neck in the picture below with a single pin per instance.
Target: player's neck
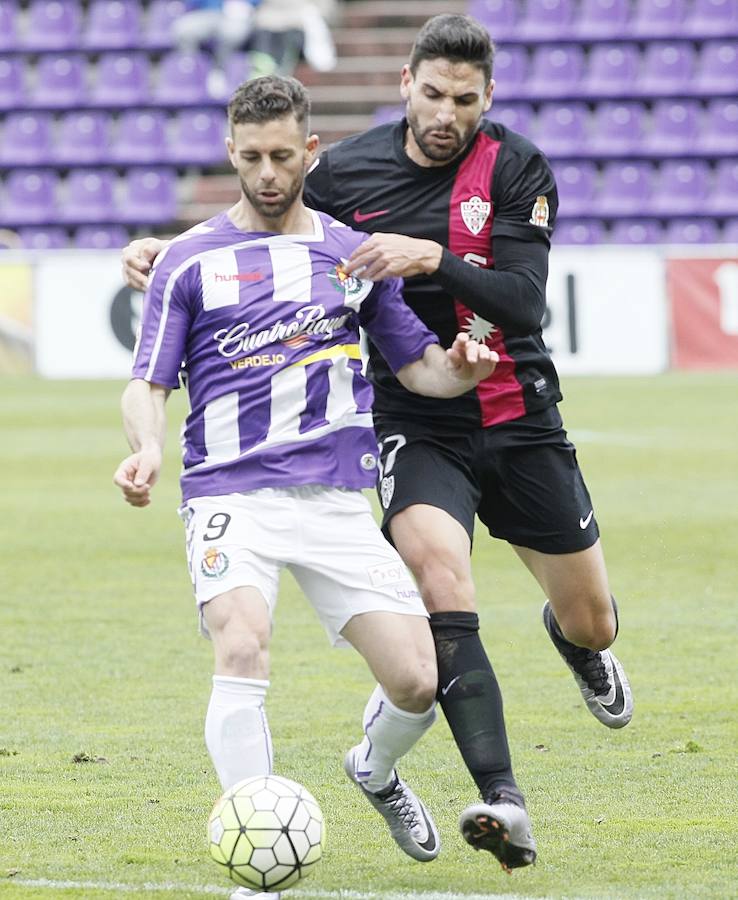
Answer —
(297, 220)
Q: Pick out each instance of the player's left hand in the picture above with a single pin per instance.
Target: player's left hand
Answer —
(470, 359)
(136, 475)
(387, 255)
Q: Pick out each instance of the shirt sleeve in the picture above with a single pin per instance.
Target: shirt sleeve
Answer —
(393, 327)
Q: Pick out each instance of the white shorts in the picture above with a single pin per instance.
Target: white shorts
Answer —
(327, 537)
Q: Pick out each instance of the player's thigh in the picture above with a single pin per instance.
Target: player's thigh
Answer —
(239, 624)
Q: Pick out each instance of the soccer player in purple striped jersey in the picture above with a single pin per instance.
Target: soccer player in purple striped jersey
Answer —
(253, 312)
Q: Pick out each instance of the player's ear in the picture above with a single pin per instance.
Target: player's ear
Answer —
(311, 149)
(489, 91)
(406, 80)
(231, 148)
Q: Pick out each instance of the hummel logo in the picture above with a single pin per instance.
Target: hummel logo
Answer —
(448, 687)
(584, 522)
(360, 217)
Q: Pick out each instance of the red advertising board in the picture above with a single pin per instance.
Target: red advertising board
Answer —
(703, 296)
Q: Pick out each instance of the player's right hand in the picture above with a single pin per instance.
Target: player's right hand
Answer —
(137, 259)
(136, 475)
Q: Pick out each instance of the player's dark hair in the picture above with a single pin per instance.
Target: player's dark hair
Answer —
(457, 38)
(267, 98)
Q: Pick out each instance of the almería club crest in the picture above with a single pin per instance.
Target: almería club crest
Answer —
(475, 213)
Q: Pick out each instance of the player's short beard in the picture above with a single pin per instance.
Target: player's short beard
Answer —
(272, 210)
(439, 154)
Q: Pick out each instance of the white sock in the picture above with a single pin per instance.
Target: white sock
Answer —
(236, 729)
(389, 732)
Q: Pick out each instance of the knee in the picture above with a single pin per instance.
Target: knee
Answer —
(416, 692)
(242, 654)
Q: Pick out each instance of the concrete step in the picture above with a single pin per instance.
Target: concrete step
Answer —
(353, 70)
(360, 99)
(392, 13)
(374, 41)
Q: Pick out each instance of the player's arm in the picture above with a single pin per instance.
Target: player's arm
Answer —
(137, 259)
(449, 373)
(145, 423)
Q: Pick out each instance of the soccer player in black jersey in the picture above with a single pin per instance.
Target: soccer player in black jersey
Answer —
(463, 209)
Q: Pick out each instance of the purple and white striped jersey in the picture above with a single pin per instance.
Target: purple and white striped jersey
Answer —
(264, 330)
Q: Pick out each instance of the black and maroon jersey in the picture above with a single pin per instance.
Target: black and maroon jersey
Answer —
(492, 209)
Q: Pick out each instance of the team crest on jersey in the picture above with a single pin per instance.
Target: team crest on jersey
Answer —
(349, 285)
(387, 490)
(539, 216)
(475, 213)
(214, 563)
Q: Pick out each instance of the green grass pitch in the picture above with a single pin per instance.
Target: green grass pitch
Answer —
(105, 781)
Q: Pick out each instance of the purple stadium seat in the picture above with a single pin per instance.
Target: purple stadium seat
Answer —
(511, 71)
(659, 18)
(680, 188)
(26, 139)
(83, 138)
(713, 18)
(98, 237)
(53, 25)
(61, 81)
(723, 195)
(730, 231)
(668, 69)
(546, 20)
(89, 196)
(149, 197)
(556, 71)
(500, 17)
(577, 187)
(122, 79)
(198, 137)
(388, 112)
(612, 70)
(602, 19)
(691, 231)
(719, 133)
(12, 82)
(9, 39)
(182, 79)
(617, 128)
(140, 137)
(717, 68)
(515, 116)
(675, 127)
(575, 232)
(625, 189)
(237, 70)
(54, 237)
(635, 231)
(560, 129)
(113, 24)
(30, 197)
(159, 19)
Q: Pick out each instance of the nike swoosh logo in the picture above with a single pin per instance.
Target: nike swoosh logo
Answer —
(429, 843)
(584, 522)
(618, 703)
(448, 687)
(360, 217)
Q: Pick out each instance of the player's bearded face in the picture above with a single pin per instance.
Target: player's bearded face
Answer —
(445, 102)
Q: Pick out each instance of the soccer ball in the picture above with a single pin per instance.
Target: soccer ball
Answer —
(267, 831)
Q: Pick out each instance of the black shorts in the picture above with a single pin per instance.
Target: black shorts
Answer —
(521, 478)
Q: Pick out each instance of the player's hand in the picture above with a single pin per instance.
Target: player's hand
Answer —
(137, 259)
(387, 255)
(471, 360)
(137, 474)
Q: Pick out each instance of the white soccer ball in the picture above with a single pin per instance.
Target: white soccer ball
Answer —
(267, 831)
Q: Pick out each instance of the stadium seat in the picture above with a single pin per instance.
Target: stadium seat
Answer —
(61, 81)
(713, 18)
(12, 83)
(674, 128)
(723, 196)
(560, 129)
(691, 231)
(617, 129)
(54, 237)
(98, 237)
(53, 25)
(668, 69)
(113, 25)
(25, 139)
(501, 17)
(625, 189)
(140, 137)
(515, 116)
(197, 137)
(182, 79)
(716, 68)
(635, 231)
(577, 187)
(9, 39)
(237, 70)
(30, 197)
(612, 70)
(89, 196)
(659, 18)
(122, 79)
(680, 188)
(579, 232)
(160, 16)
(511, 72)
(546, 20)
(719, 132)
(149, 196)
(730, 231)
(388, 112)
(602, 19)
(83, 138)
(556, 71)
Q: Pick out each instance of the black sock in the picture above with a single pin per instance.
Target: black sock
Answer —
(471, 701)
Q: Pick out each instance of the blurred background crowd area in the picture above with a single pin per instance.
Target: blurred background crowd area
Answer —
(112, 112)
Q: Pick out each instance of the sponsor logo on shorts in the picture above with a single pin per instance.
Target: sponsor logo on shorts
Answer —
(368, 461)
(214, 563)
(407, 594)
(386, 490)
(584, 521)
(387, 573)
